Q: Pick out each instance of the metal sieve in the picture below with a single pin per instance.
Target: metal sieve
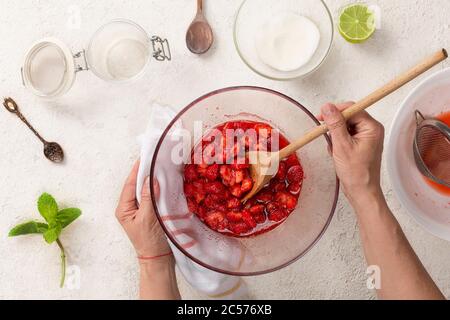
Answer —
(432, 149)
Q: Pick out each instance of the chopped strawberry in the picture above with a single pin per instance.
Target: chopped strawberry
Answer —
(295, 174)
(256, 210)
(201, 169)
(226, 194)
(237, 166)
(212, 172)
(236, 191)
(233, 203)
(189, 190)
(264, 196)
(199, 197)
(292, 160)
(282, 142)
(239, 228)
(202, 166)
(286, 200)
(240, 175)
(277, 186)
(247, 185)
(190, 173)
(234, 216)
(247, 218)
(259, 218)
(272, 206)
(214, 187)
(196, 190)
(212, 201)
(295, 188)
(250, 203)
(281, 174)
(221, 207)
(201, 212)
(228, 175)
(216, 220)
(199, 185)
(278, 215)
(192, 205)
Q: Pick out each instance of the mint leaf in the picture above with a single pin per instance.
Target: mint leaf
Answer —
(31, 227)
(67, 216)
(52, 234)
(48, 208)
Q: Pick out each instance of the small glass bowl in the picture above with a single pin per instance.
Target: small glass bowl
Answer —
(254, 13)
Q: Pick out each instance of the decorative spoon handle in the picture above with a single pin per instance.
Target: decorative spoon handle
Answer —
(368, 101)
(12, 107)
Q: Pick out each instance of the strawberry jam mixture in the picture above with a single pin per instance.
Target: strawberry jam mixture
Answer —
(215, 187)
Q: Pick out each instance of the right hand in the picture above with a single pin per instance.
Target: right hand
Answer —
(357, 149)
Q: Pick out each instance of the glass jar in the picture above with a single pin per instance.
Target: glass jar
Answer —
(119, 51)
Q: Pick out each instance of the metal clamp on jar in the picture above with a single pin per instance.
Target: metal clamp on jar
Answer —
(119, 51)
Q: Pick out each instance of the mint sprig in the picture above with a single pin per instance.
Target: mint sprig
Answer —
(56, 220)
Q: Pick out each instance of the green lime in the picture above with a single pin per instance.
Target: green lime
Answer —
(357, 23)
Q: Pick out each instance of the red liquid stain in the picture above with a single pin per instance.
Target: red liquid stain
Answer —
(444, 117)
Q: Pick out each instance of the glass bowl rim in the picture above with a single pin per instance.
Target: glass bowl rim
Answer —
(330, 45)
(154, 200)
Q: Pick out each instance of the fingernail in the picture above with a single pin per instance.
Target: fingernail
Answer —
(147, 182)
(328, 109)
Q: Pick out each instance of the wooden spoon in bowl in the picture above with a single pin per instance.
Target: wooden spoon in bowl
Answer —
(262, 163)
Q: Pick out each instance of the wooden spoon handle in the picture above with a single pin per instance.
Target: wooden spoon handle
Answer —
(368, 101)
(199, 5)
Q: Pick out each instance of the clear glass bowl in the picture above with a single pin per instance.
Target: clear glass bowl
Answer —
(266, 252)
(254, 13)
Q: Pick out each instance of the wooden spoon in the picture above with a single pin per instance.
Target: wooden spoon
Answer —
(261, 162)
(199, 36)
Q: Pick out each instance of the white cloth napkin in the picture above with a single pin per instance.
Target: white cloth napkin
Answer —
(213, 284)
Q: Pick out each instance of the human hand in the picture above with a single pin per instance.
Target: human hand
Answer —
(357, 149)
(140, 223)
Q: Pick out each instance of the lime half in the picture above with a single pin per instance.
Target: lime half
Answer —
(357, 23)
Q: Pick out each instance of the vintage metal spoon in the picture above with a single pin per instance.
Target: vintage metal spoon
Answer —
(52, 150)
(199, 36)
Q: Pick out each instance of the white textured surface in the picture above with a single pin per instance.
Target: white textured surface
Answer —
(97, 124)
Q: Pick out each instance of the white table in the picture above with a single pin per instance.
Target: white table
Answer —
(97, 124)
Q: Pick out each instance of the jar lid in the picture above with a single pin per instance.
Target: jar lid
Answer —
(49, 68)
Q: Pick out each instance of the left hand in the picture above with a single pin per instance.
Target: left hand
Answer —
(140, 223)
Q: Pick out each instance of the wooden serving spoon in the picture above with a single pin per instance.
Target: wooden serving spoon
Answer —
(199, 37)
(261, 162)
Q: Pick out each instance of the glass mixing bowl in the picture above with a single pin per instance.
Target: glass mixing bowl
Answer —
(266, 252)
(253, 14)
